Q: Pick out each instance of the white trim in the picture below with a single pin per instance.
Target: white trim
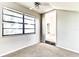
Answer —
(18, 49)
(67, 49)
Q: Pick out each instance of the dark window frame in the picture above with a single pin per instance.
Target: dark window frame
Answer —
(9, 22)
(23, 32)
(30, 24)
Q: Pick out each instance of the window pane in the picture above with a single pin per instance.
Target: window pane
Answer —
(29, 30)
(12, 25)
(28, 26)
(10, 18)
(29, 17)
(12, 31)
(28, 21)
(12, 13)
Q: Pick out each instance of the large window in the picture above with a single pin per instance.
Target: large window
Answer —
(15, 23)
(29, 24)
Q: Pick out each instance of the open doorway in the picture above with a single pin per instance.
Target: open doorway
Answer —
(49, 27)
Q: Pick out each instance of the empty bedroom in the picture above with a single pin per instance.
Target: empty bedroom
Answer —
(39, 29)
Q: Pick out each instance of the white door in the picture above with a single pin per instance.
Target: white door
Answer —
(50, 25)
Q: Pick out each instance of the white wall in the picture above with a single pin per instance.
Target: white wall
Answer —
(49, 18)
(68, 30)
(12, 43)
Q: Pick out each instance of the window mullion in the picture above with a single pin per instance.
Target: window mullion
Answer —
(23, 23)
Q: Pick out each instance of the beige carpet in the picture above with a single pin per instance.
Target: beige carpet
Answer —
(42, 50)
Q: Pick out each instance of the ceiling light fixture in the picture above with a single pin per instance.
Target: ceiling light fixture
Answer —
(37, 4)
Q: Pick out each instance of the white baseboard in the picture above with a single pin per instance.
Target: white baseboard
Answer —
(67, 49)
(17, 49)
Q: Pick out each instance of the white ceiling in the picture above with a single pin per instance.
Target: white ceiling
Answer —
(52, 5)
